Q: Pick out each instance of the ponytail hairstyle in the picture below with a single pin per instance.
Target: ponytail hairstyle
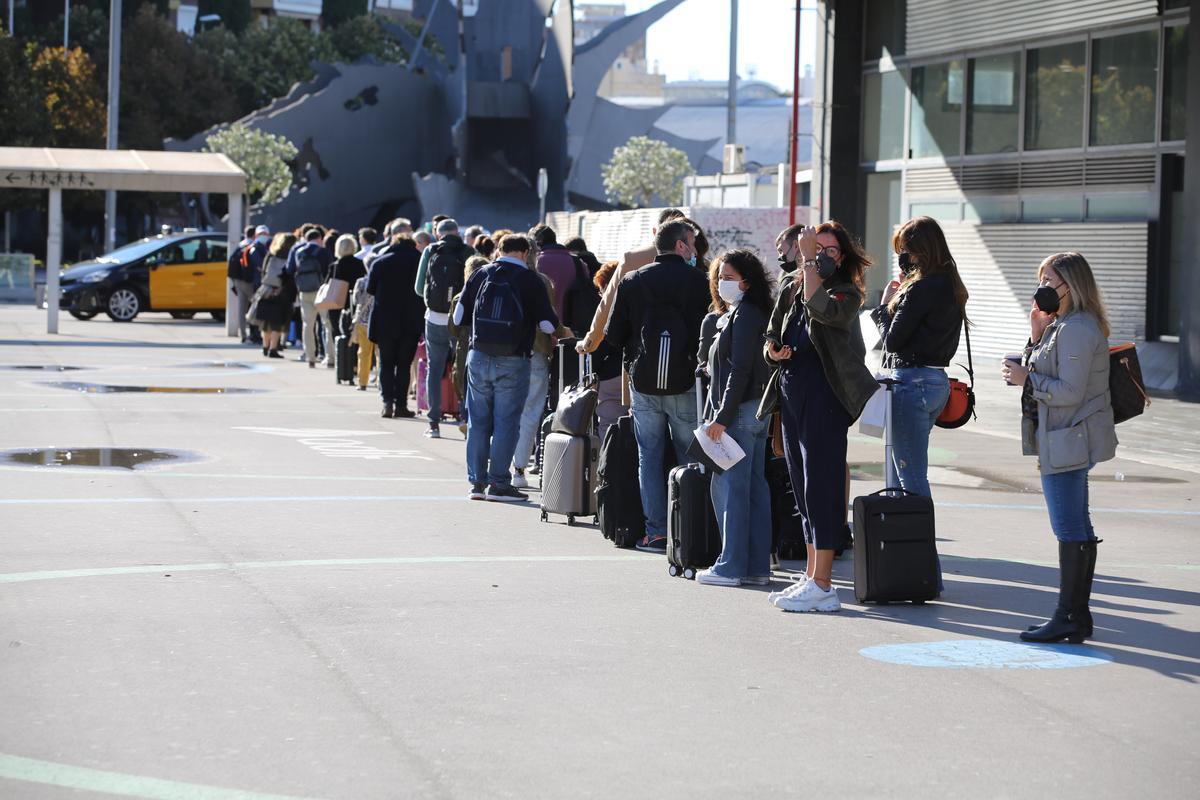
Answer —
(854, 259)
(1084, 296)
(923, 240)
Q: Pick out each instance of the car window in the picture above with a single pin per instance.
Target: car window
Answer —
(217, 250)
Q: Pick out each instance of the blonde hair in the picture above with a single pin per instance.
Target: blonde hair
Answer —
(474, 263)
(1084, 294)
(346, 245)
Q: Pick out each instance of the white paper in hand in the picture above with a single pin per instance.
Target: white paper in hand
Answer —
(723, 453)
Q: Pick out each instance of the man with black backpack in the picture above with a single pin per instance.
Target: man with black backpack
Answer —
(439, 279)
(244, 272)
(309, 264)
(503, 305)
(655, 321)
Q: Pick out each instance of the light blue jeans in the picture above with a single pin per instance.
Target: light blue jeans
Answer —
(437, 351)
(917, 399)
(535, 407)
(496, 389)
(1067, 501)
(742, 501)
(654, 417)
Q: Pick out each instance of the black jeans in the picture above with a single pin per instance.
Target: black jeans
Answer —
(395, 360)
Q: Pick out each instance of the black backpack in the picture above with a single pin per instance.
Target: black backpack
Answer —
(666, 359)
(234, 271)
(444, 277)
(308, 270)
(618, 495)
(498, 326)
(582, 300)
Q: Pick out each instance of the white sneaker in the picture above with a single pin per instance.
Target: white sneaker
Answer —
(710, 578)
(791, 590)
(518, 480)
(811, 598)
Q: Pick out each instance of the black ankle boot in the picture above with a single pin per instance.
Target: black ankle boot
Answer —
(1066, 622)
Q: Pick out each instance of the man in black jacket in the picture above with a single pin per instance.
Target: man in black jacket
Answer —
(655, 322)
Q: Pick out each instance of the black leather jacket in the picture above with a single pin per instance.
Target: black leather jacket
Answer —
(924, 330)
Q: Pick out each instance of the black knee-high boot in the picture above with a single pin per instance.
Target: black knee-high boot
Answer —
(1071, 620)
(1080, 611)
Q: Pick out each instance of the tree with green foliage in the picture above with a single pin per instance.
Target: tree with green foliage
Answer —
(262, 156)
(235, 14)
(335, 12)
(73, 97)
(364, 36)
(643, 169)
(25, 121)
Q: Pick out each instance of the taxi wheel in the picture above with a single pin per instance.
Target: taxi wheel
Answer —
(123, 304)
(182, 314)
(219, 316)
(84, 315)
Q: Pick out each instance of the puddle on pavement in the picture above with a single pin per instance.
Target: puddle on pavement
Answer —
(224, 365)
(105, 388)
(41, 367)
(113, 457)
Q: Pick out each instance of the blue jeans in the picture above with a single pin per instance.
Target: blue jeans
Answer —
(437, 351)
(917, 400)
(535, 407)
(654, 416)
(1067, 501)
(496, 389)
(742, 501)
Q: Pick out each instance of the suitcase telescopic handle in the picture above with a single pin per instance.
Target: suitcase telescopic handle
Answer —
(699, 400)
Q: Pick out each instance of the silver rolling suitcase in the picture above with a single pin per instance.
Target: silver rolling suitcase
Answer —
(569, 471)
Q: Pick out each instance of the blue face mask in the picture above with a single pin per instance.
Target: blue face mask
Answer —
(691, 262)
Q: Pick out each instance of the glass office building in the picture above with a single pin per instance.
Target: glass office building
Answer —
(1026, 128)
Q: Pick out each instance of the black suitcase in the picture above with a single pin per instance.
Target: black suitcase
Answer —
(693, 537)
(895, 547)
(345, 359)
(787, 526)
(618, 493)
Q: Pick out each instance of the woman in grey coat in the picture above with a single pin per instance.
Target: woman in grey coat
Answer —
(1070, 429)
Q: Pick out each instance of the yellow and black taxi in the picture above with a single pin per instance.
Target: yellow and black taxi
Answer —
(181, 273)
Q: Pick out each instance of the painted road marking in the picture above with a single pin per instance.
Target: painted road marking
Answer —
(234, 476)
(141, 569)
(337, 443)
(1169, 512)
(49, 773)
(986, 654)
(383, 498)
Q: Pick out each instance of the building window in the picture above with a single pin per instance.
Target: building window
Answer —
(1115, 206)
(883, 116)
(937, 95)
(1123, 88)
(993, 115)
(1054, 85)
(942, 212)
(1052, 208)
(992, 209)
(1174, 122)
(885, 27)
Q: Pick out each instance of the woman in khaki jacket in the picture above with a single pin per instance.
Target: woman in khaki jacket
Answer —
(1071, 430)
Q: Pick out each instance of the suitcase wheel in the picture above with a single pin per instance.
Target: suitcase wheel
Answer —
(570, 519)
(544, 517)
(673, 570)
(689, 574)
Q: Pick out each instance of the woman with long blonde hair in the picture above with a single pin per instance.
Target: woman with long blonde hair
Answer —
(1070, 429)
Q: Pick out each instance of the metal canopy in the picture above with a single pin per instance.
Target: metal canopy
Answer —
(122, 170)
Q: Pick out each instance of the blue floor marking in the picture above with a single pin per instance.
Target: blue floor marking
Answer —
(987, 654)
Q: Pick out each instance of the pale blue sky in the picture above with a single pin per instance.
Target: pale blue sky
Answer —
(693, 40)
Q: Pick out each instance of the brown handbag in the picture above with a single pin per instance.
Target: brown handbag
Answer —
(776, 435)
(1125, 384)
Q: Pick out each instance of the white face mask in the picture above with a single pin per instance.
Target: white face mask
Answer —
(730, 291)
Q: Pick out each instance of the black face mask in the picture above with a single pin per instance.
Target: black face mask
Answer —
(904, 261)
(1047, 299)
(787, 264)
(826, 266)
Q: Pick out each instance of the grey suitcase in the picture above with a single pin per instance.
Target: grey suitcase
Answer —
(569, 471)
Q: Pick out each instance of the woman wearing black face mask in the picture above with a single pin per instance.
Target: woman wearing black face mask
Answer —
(920, 319)
(1068, 425)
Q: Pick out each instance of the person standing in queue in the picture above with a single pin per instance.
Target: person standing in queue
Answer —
(820, 385)
(397, 320)
(920, 321)
(1069, 426)
(740, 495)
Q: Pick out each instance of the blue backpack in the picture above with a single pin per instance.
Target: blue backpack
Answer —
(498, 319)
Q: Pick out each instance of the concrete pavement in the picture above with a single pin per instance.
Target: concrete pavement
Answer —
(309, 607)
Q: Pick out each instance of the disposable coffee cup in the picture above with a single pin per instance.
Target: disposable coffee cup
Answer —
(1016, 359)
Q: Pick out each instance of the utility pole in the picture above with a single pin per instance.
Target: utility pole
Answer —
(114, 112)
(791, 187)
(731, 116)
(66, 26)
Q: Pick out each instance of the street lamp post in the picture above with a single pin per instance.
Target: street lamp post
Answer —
(114, 111)
(731, 121)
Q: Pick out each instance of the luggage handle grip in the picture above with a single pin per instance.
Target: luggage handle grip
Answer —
(894, 490)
